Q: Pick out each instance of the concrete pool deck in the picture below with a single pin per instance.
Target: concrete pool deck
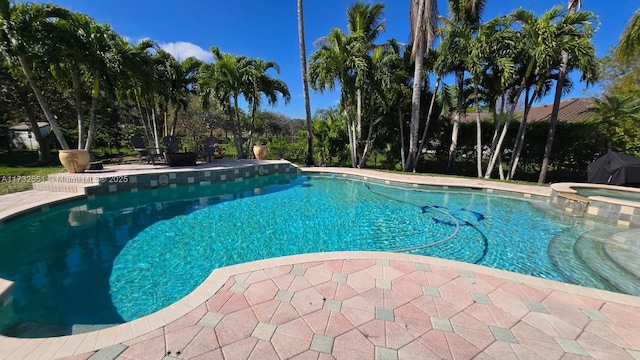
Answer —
(357, 305)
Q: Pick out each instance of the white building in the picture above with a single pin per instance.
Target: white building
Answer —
(22, 137)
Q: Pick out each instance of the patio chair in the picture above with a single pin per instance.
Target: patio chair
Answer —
(210, 146)
(171, 144)
(143, 150)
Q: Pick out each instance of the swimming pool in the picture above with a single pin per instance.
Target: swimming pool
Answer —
(116, 258)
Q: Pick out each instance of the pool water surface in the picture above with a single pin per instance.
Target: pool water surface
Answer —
(116, 258)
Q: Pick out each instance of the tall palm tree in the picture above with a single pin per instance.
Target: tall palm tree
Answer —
(423, 19)
(137, 86)
(260, 83)
(386, 86)
(224, 81)
(628, 47)
(68, 67)
(339, 58)
(490, 55)
(535, 54)
(575, 40)
(365, 24)
(305, 84)
(25, 35)
(183, 77)
(463, 24)
(104, 66)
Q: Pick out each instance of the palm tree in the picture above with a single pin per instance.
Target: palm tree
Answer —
(537, 86)
(338, 59)
(25, 35)
(259, 84)
(628, 47)
(423, 19)
(138, 86)
(68, 67)
(574, 38)
(386, 88)
(490, 55)
(305, 84)
(533, 55)
(612, 112)
(365, 24)
(464, 22)
(224, 81)
(104, 65)
(183, 77)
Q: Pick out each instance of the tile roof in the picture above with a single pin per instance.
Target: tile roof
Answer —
(571, 110)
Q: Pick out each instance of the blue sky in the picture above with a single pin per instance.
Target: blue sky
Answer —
(268, 29)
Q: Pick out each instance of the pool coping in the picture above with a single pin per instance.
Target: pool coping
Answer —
(82, 343)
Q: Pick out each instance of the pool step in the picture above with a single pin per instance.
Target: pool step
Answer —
(574, 269)
(68, 183)
(61, 187)
(591, 246)
(624, 249)
(85, 328)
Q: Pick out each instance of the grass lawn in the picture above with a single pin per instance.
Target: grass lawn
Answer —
(20, 169)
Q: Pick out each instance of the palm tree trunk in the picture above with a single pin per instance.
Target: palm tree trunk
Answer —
(498, 125)
(478, 131)
(142, 115)
(453, 149)
(363, 159)
(554, 118)
(174, 125)
(402, 158)
(505, 128)
(77, 92)
(95, 96)
(26, 68)
(416, 157)
(305, 84)
(352, 146)
(44, 153)
(416, 94)
(358, 116)
(517, 147)
(238, 130)
(350, 129)
(253, 120)
(156, 139)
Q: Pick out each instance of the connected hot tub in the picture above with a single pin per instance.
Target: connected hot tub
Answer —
(617, 205)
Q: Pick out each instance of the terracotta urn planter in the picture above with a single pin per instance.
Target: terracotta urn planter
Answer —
(75, 161)
(260, 151)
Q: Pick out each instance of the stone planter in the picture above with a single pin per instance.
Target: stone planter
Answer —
(260, 151)
(75, 161)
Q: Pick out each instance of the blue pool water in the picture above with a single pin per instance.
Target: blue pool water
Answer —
(116, 258)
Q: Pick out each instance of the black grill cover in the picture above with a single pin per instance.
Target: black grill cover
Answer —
(615, 169)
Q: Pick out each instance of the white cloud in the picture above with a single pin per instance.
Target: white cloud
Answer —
(182, 50)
